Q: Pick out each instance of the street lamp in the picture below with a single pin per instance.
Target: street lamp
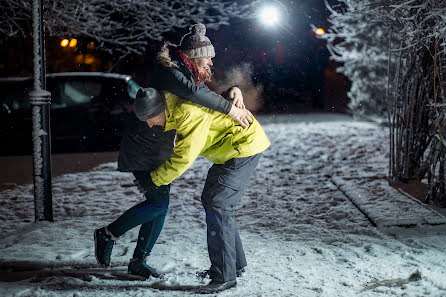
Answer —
(73, 42)
(64, 42)
(269, 16)
(319, 31)
(40, 101)
(275, 14)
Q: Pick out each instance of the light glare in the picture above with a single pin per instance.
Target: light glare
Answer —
(320, 31)
(269, 16)
(73, 42)
(64, 42)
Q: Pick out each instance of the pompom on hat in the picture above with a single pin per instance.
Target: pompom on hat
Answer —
(195, 44)
(149, 103)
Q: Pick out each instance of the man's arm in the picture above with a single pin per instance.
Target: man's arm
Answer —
(192, 130)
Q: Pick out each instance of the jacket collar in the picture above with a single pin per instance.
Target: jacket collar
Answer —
(171, 100)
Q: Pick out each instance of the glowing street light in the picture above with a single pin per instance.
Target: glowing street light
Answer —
(269, 16)
(64, 42)
(319, 31)
(73, 42)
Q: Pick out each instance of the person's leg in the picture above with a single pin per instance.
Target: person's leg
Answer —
(239, 254)
(223, 189)
(221, 244)
(154, 207)
(148, 235)
(150, 214)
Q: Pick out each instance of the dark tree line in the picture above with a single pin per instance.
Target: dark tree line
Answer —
(120, 26)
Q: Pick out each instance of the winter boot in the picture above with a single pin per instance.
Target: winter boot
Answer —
(216, 286)
(103, 246)
(140, 269)
(206, 273)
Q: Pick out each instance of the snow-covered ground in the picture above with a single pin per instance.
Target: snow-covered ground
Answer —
(302, 236)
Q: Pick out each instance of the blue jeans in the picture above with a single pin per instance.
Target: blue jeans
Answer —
(150, 214)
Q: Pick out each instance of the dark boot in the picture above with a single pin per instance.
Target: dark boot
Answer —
(206, 273)
(103, 246)
(216, 286)
(141, 269)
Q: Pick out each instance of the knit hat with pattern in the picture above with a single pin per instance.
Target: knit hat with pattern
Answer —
(195, 44)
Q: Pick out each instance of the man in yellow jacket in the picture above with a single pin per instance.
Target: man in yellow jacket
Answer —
(235, 152)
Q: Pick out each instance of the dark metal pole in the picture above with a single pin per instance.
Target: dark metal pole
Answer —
(40, 101)
(41, 35)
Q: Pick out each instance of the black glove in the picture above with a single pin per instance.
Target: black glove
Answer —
(144, 184)
(225, 94)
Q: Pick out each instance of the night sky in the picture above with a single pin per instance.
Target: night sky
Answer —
(287, 59)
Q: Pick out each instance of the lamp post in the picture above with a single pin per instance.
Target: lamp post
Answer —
(40, 101)
(269, 15)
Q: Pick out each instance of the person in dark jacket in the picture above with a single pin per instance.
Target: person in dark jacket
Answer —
(182, 70)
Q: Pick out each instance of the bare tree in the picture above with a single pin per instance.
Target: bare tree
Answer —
(410, 36)
(120, 26)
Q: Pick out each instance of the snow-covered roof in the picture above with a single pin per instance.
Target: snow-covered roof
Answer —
(72, 74)
(95, 74)
(14, 79)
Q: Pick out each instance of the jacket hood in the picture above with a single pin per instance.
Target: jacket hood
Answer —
(165, 56)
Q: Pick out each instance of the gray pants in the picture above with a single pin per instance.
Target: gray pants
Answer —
(222, 192)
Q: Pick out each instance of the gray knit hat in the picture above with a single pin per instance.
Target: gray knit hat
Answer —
(149, 103)
(195, 44)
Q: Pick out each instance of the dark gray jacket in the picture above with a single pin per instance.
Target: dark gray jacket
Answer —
(144, 148)
(181, 82)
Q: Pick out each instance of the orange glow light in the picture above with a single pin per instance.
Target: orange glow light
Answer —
(320, 31)
(79, 59)
(90, 45)
(89, 59)
(73, 42)
(64, 43)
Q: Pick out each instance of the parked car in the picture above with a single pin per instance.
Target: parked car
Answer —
(87, 112)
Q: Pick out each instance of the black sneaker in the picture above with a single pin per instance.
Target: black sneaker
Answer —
(216, 286)
(206, 273)
(140, 269)
(103, 246)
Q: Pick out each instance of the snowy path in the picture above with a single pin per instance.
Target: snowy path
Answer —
(302, 236)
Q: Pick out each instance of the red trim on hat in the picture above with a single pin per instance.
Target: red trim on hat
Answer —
(188, 62)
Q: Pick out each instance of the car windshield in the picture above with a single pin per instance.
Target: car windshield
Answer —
(65, 92)
(74, 92)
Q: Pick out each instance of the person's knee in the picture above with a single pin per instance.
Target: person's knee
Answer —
(158, 196)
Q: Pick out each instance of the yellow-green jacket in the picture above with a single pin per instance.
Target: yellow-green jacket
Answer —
(201, 131)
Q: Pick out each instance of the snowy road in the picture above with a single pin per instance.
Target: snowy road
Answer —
(302, 236)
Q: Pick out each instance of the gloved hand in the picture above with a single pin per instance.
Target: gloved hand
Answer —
(243, 116)
(145, 184)
(235, 94)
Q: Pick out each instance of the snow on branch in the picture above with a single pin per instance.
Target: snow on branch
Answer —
(123, 26)
(359, 39)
